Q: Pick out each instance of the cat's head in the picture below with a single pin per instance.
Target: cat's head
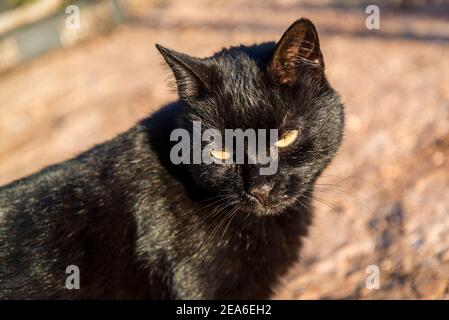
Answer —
(269, 86)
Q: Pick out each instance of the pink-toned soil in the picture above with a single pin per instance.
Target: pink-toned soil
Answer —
(385, 199)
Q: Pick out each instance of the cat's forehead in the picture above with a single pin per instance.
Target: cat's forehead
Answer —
(244, 98)
(239, 73)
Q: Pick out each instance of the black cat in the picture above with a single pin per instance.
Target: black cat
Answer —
(140, 227)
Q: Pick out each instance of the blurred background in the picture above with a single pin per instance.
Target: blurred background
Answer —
(385, 199)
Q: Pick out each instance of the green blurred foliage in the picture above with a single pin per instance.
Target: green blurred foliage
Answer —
(20, 2)
(9, 4)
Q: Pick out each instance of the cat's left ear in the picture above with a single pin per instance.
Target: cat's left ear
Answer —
(298, 51)
(192, 74)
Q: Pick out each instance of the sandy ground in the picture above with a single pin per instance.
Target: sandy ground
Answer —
(383, 202)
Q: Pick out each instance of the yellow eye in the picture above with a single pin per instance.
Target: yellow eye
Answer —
(220, 154)
(287, 139)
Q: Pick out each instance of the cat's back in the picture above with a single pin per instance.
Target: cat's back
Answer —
(39, 192)
(25, 213)
(57, 216)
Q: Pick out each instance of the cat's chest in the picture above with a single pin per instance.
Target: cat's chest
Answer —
(259, 245)
(247, 262)
(214, 257)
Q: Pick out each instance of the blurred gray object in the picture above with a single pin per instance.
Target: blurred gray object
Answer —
(33, 29)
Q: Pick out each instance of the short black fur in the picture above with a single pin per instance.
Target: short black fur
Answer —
(139, 227)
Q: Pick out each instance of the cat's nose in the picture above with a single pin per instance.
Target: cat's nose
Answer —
(261, 191)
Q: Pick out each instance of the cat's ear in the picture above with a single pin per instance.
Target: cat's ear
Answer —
(297, 51)
(191, 73)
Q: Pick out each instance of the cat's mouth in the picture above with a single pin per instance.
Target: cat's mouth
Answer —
(269, 206)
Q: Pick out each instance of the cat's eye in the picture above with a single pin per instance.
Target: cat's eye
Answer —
(287, 139)
(220, 154)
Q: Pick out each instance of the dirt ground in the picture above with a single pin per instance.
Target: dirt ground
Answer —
(383, 201)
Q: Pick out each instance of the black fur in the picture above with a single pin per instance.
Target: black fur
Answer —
(139, 227)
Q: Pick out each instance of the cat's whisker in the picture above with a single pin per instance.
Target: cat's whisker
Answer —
(219, 205)
(219, 208)
(347, 224)
(222, 221)
(331, 205)
(344, 193)
(349, 177)
(230, 220)
(217, 197)
(298, 201)
(218, 225)
(325, 202)
(216, 202)
(224, 206)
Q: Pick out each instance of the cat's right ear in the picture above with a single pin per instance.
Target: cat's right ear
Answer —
(191, 73)
(298, 51)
